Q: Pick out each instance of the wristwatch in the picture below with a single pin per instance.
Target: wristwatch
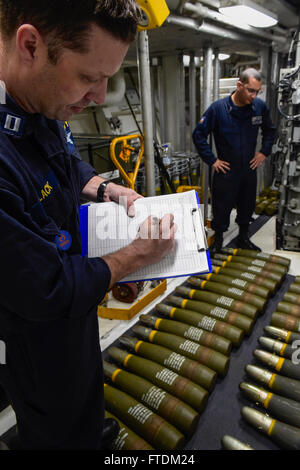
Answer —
(101, 190)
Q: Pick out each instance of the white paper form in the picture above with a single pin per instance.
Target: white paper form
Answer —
(110, 229)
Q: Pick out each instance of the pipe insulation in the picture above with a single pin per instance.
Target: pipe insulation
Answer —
(116, 89)
(208, 28)
(206, 13)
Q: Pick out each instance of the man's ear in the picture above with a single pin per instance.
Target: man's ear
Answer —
(29, 43)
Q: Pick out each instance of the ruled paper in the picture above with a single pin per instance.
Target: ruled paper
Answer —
(110, 229)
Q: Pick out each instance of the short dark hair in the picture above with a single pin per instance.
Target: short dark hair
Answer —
(248, 73)
(66, 23)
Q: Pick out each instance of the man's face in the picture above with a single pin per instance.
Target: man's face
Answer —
(62, 90)
(248, 91)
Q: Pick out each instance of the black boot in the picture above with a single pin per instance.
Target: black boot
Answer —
(243, 241)
(217, 244)
(111, 429)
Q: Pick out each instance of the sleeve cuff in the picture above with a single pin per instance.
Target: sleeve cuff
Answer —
(86, 172)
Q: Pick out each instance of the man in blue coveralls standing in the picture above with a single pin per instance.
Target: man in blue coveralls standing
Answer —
(235, 122)
(56, 58)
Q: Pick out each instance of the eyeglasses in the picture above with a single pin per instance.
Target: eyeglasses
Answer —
(252, 91)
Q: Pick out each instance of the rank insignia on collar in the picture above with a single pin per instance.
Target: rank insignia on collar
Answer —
(12, 124)
(69, 137)
(257, 120)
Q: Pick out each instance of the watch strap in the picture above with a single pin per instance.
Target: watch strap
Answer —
(101, 190)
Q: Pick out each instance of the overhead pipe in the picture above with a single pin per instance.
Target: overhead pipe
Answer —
(211, 3)
(178, 4)
(208, 28)
(206, 13)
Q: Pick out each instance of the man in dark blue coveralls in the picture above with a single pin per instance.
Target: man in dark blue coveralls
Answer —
(56, 58)
(235, 122)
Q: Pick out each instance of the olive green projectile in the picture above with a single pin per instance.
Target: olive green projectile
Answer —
(232, 292)
(284, 386)
(282, 349)
(246, 286)
(213, 305)
(284, 366)
(152, 428)
(288, 308)
(292, 297)
(267, 284)
(127, 439)
(195, 318)
(273, 267)
(272, 208)
(274, 276)
(230, 304)
(294, 288)
(283, 320)
(261, 207)
(258, 255)
(231, 443)
(173, 410)
(188, 368)
(207, 356)
(200, 336)
(281, 334)
(283, 408)
(285, 435)
(182, 388)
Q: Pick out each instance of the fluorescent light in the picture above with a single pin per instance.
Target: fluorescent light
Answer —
(248, 12)
(223, 56)
(186, 60)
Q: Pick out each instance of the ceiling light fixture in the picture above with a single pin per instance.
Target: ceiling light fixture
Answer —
(247, 11)
(223, 56)
(199, 60)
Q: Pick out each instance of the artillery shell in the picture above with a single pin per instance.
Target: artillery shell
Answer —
(231, 292)
(153, 428)
(285, 366)
(173, 410)
(220, 300)
(283, 408)
(282, 349)
(207, 356)
(198, 335)
(230, 443)
(285, 386)
(281, 334)
(127, 439)
(231, 332)
(182, 365)
(283, 320)
(287, 436)
(187, 391)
